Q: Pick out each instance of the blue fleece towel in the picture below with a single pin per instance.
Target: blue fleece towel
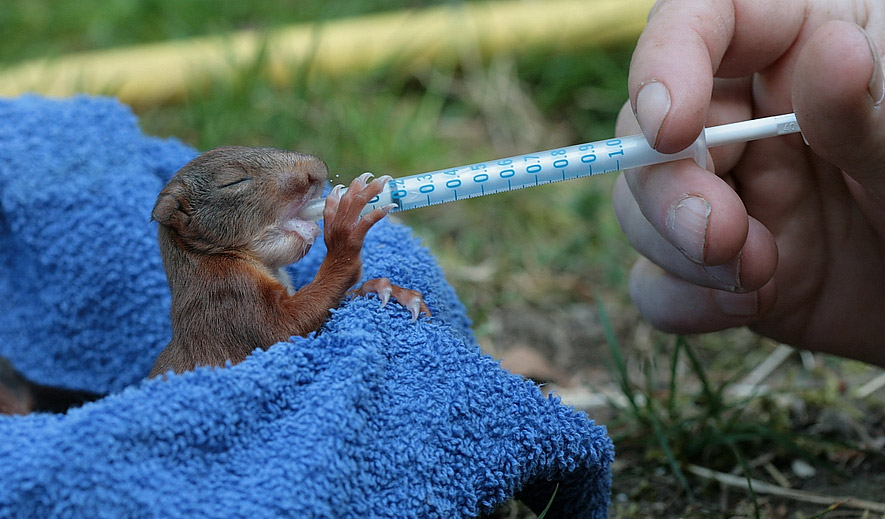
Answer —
(374, 416)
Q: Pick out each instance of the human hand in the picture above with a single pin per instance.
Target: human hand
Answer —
(784, 237)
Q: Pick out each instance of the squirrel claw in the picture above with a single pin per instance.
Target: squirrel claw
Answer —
(411, 300)
(414, 307)
(384, 294)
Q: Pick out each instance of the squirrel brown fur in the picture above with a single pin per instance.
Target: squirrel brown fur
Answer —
(228, 225)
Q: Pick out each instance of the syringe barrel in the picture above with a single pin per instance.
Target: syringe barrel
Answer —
(521, 171)
(508, 174)
(544, 167)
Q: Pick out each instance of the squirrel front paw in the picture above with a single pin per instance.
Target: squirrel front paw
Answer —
(345, 229)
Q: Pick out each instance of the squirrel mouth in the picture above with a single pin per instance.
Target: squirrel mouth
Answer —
(292, 222)
(307, 230)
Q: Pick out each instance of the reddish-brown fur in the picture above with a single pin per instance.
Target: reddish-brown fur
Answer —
(227, 229)
(19, 395)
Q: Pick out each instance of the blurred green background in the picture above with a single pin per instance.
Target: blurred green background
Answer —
(534, 246)
(543, 269)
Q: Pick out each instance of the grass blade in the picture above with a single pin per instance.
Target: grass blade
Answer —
(620, 364)
(658, 429)
(549, 503)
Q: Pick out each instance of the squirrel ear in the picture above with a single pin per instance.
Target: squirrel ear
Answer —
(169, 209)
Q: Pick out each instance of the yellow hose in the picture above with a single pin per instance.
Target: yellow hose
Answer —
(160, 72)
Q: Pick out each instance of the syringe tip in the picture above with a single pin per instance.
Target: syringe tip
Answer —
(313, 210)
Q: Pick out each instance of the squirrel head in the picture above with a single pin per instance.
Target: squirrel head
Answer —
(244, 201)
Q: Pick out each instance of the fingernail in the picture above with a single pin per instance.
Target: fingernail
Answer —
(737, 305)
(876, 85)
(652, 107)
(728, 274)
(688, 220)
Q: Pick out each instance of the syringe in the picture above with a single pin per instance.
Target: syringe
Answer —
(544, 167)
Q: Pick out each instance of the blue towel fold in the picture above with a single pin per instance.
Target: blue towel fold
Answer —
(374, 416)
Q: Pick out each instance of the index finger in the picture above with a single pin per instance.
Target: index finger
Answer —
(688, 42)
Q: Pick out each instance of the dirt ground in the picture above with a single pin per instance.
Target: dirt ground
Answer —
(812, 427)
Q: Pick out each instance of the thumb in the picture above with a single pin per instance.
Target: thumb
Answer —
(838, 90)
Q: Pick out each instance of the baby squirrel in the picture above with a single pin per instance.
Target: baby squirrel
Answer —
(228, 226)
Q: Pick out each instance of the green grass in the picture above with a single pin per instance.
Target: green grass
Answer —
(543, 251)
